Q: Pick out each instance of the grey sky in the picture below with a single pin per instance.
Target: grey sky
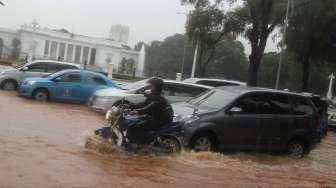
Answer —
(148, 19)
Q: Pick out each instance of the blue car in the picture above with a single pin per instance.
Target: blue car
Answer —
(67, 86)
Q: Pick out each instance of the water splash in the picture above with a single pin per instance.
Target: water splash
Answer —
(99, 144)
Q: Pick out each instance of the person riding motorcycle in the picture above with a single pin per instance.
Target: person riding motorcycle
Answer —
(156, 110)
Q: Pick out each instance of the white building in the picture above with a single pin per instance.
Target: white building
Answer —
(120, 34)
(45, 43)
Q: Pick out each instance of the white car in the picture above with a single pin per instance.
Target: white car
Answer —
(214, 82)
(11, 78)
(103, 100)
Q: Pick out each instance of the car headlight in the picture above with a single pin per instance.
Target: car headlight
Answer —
(187, 119)
(31, 82)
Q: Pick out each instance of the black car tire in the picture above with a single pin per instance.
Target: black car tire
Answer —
(297, 148)
(9, 85)
(41, 95)
(203, 142)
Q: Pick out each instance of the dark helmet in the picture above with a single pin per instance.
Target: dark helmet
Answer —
(157, 85)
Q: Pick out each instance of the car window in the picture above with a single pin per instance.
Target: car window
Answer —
(95, 80)
(274, 104)
(182, 90)
(302, 106)
(248, 104)
(37, 67)
(216, 83)
(264, 103)
(71, 77)
(214, 99)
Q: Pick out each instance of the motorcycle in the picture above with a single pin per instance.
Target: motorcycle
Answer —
(165, 140)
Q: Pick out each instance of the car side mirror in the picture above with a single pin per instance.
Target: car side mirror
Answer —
(24, 69)
(235, 110)
(58, 79)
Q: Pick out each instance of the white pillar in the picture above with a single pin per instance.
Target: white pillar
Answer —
(331, 83)
(49, 50)
(73, 53)
(81, 56)
(195, 61)
(66, 52)
(57, 50)
(89, 56)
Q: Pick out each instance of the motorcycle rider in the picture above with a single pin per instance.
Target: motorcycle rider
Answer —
(156, 109)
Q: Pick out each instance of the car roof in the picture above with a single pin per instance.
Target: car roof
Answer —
(240, 90)
(189, 84)
(81, 70)
(193, 80)
(57, 62)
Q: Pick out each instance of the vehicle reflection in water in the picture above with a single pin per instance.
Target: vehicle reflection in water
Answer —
(42, 146)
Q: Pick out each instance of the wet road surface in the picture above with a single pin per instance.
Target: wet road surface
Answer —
(42, 146)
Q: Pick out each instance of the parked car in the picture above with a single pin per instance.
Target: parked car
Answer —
(11, 78)
(102, 100)
(67, 86)
(244, 118)
(214, 82)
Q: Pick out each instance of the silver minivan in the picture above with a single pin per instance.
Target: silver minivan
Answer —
(11, 78)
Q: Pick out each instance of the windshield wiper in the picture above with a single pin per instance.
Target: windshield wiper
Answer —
(205, 98)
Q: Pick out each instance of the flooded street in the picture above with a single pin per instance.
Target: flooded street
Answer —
(42, 146)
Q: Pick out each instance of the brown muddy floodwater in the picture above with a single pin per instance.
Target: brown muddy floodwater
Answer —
(42, 146)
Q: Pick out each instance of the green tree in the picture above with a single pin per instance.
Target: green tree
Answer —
(255, 19)
(166, 57)
(205, 29)
(16, 48)
(310, 34)
(229, 61)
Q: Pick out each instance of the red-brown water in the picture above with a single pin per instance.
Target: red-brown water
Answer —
(42, 146)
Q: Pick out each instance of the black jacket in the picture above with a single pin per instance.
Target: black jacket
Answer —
(157, 108)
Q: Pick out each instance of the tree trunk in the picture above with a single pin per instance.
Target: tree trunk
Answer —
(305, 73)
(255, 59)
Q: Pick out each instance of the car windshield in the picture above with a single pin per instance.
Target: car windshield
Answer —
(135, 85)
(216, 99)
(55, 74)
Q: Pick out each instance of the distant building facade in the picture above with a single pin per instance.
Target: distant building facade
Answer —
(45, 43)
(120, 34)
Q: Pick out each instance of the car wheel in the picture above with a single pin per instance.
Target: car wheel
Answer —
(203, 142)
(297, 148)
(41, 95)
(9, 85)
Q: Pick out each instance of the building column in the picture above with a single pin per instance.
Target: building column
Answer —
(57, 50)
(81, 56)
(89, 56)
(73, 53)
(66, 52)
